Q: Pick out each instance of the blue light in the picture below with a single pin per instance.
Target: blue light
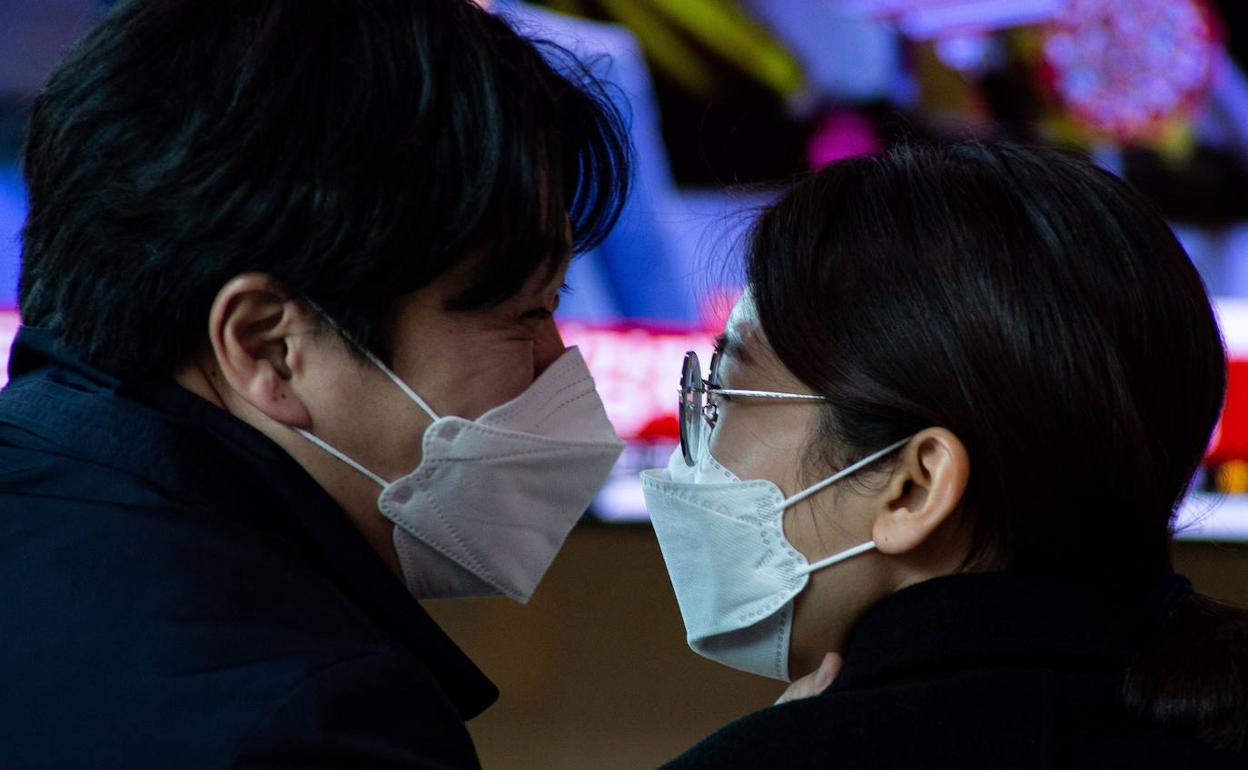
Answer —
(12, 217)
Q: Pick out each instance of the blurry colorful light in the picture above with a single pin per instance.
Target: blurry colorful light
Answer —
(1127, 67)
(637, 369)
(933, 19)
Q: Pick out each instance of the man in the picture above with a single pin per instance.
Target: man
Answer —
(284, 261)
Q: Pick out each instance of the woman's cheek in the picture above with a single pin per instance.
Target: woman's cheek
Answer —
(725, 441)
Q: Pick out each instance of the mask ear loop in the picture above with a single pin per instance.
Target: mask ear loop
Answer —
(323, 444)
(822, 485)
(375, 361)
(836, 558)
(403, 386)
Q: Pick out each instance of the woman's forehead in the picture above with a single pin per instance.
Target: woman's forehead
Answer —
(745, 347)
(742, 334)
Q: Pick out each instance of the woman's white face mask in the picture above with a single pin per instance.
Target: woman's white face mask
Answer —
(734, 571)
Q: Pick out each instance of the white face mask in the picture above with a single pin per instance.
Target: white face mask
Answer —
(734, 572)
(493, 499)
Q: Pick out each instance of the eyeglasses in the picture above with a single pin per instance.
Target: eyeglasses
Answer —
(699, 401)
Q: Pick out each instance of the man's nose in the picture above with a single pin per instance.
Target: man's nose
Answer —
(549, 346)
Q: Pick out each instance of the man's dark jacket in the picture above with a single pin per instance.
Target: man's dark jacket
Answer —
(971, 672)
(177, 593)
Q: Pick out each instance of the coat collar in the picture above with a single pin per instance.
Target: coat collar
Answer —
(179, 442)
(960, 620)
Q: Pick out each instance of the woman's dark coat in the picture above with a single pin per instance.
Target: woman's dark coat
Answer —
(971, 672)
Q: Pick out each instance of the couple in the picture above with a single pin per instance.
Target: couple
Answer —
(289, 364)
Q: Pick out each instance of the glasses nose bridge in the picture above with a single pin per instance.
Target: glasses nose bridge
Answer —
(710, 412)
(709, 387)
(694, 399)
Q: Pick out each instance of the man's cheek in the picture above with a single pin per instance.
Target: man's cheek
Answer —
(497, 384)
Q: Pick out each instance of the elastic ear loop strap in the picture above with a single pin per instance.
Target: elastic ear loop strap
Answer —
(403, 386)
(375, 361)
(342, 456)
(836, 558)
(800, 496)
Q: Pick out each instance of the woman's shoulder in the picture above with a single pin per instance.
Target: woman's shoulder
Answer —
(967, 671)
(968, 720)
(931, 722)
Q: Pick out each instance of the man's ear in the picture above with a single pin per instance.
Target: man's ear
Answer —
(925, 489)
(256, 332)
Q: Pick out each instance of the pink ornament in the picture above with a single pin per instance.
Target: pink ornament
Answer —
(842, 135)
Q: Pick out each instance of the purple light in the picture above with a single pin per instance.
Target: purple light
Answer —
(842, 135)
(932, 19)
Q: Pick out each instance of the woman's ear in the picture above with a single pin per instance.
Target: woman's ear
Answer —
(925, 489)
(256, 333)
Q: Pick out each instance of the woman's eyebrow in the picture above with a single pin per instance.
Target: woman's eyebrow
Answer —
(731, 345)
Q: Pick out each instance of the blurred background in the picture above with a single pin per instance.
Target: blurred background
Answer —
(728, 100)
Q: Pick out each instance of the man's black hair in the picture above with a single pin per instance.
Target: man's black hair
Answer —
(355, 151)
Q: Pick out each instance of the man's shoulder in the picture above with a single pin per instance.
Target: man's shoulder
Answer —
(371, 710)
(167, 634)
(168, 602)
(136, 620)
(357, 709)
(89, 548)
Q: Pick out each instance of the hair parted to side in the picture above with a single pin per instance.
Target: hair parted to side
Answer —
(1042, 311)
(354, 151)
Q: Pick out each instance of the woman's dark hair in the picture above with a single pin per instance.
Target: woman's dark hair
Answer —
(1038, 308)
(353, 150)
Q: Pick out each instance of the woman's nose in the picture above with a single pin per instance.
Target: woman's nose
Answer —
(549, 346)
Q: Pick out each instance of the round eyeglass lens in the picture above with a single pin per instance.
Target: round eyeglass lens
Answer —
(690, 408)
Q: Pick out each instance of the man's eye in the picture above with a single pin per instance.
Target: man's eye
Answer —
(545, 313)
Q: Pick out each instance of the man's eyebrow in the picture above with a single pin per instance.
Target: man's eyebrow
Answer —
(731, 345)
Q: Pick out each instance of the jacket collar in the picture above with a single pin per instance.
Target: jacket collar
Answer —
(177, 441)
(960, 620)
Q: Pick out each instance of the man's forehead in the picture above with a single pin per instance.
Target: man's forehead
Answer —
(468, 273)
(548, 277)
(552, 272)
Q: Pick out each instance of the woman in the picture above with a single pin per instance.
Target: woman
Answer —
(944, 436)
